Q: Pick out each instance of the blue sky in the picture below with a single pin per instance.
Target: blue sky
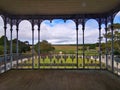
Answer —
(57, 31)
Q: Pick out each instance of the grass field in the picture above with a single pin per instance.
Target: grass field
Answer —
(65, 48)
(71, 49)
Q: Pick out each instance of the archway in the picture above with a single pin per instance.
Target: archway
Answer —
(116, 26)
(62, 35)
(1, 34)
(91, 45)
(24, 42)
(2, 62)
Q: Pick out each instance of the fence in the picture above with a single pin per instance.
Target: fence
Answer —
(59, 61)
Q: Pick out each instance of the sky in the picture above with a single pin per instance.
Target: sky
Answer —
(58, 31)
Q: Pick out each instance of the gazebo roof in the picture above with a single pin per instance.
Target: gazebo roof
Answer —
(58, 7)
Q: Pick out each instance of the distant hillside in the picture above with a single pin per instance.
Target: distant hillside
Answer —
(66, 48)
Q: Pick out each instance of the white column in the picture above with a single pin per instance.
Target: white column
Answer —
(5, 44)
(11, 53)
(112, 47)
(77, 42)
(38, 45)
(17, 45)
(100, 43)
(83, 29)
(106, 43)
(32, 45)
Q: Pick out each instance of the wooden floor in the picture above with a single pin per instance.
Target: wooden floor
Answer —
(58, 80)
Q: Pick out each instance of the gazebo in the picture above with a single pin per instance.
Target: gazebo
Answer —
(36, 11)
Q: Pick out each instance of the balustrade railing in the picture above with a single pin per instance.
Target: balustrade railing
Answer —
(117, 64)
(59, 61)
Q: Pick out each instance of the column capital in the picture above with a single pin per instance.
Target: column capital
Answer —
(11, 25)
(99, 28)
(106, 29)
(76, 22)
(32, 22)
(38, 29)
(83, 25)
(5, 27)
(83, 28)
(11, 29)
(32, 29)
(39, 22)
(77, 28)
(17, 29)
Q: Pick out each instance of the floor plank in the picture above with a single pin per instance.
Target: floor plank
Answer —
(58, 80)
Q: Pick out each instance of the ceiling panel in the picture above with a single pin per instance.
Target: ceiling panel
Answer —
(57, 7)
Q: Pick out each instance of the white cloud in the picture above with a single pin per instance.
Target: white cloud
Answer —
(62, 33)
(91, 34)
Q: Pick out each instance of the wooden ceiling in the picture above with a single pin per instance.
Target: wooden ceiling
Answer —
(57, 7)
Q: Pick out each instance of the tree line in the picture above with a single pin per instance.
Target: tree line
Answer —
(45, 47)
(116, 38)
(23, 46)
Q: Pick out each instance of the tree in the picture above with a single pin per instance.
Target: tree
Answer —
(1, 50)
(2, 40)
(92, 46)
(45, 47)
(2, 45)
(23, 46)
(116, 38)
